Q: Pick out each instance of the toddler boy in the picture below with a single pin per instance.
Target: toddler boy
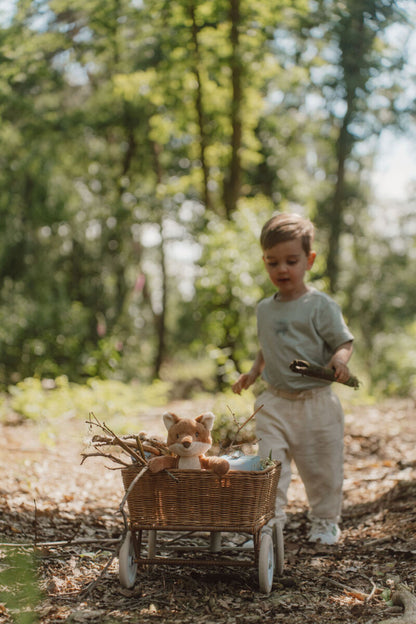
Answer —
(301, 418)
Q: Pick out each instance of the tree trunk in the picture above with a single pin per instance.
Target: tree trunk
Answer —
(199, 99)
(344, 147)
(352, 37)
(336, 214)
(232, 182)
(160, 317)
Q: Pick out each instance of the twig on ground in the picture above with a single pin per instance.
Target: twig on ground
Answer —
(94, 583)
(360, 595)
(116, 552)
(346, 588)
(374, 590)
(36, 523)
(69, 542)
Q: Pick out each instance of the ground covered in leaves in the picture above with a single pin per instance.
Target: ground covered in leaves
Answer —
(64, 517)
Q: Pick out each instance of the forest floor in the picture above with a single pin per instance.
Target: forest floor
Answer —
(47, 496)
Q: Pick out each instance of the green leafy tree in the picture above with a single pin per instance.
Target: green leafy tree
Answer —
(359, 102)
(133, 132)
(379, 302)
(230, 282)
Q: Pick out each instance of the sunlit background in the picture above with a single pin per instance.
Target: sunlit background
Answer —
(145, 143)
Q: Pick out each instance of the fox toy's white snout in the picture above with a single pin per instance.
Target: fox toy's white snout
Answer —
(189, 449)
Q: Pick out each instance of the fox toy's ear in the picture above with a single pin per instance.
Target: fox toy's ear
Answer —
(207, 420)
(169, 419)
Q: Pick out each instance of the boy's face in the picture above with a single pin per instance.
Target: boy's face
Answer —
(286, 263)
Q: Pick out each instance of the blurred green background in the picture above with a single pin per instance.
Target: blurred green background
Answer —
(143, 146)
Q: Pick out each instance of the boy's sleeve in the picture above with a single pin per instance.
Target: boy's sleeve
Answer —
(331, 325)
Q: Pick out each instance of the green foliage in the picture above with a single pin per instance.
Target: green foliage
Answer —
(379, 304)
(386, 595)
(19, 590)
(136, 135)
(231, 411)
(111, 401)
(393, 358)
(228, 287)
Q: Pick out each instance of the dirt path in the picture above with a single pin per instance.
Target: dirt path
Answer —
(46, 496)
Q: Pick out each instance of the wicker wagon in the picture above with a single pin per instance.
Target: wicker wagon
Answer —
(201, 501)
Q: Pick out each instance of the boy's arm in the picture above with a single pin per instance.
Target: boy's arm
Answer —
(340, 360)
(247, 379)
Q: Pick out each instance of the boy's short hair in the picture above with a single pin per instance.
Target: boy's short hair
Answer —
(287, 226)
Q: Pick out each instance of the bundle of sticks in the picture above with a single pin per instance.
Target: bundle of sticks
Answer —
(136, 448)
(320, 372)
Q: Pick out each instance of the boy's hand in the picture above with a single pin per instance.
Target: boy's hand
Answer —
(339, 362)
(342, 372)
(244, 382)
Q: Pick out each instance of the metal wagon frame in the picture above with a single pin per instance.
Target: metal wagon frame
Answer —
(201, 501)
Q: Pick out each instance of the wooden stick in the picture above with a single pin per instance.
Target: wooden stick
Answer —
(94, 583)
(140, 446)
(126, 447)
(355, 592)
(68, 542)
(101, 454)
(320, 372)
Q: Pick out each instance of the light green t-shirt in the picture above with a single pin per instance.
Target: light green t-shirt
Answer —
(309, 328)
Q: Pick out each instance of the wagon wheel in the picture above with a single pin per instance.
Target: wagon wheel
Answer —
(266, 563)
(151, 543)
(127, 564)
(279, 549)
(215, 541)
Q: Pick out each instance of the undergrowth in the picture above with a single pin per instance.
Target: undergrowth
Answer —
(50, 401)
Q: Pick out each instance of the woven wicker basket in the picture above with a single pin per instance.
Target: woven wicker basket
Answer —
(194, 499)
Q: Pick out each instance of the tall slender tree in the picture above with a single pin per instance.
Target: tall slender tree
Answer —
(357, 34)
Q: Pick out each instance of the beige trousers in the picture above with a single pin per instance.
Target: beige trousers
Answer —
(307, 428)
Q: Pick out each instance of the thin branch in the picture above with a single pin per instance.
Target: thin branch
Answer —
(69, 542)
(116, 439)
(232, 443)
(94, 583)
(99, 453)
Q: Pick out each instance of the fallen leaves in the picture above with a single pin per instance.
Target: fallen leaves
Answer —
(67, 516)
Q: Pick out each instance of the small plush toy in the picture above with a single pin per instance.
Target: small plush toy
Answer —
(189, 439)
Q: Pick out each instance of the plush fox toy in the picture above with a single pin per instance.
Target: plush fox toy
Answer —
(189, 439)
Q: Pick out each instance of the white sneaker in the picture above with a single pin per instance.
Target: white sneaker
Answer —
(324, 531)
